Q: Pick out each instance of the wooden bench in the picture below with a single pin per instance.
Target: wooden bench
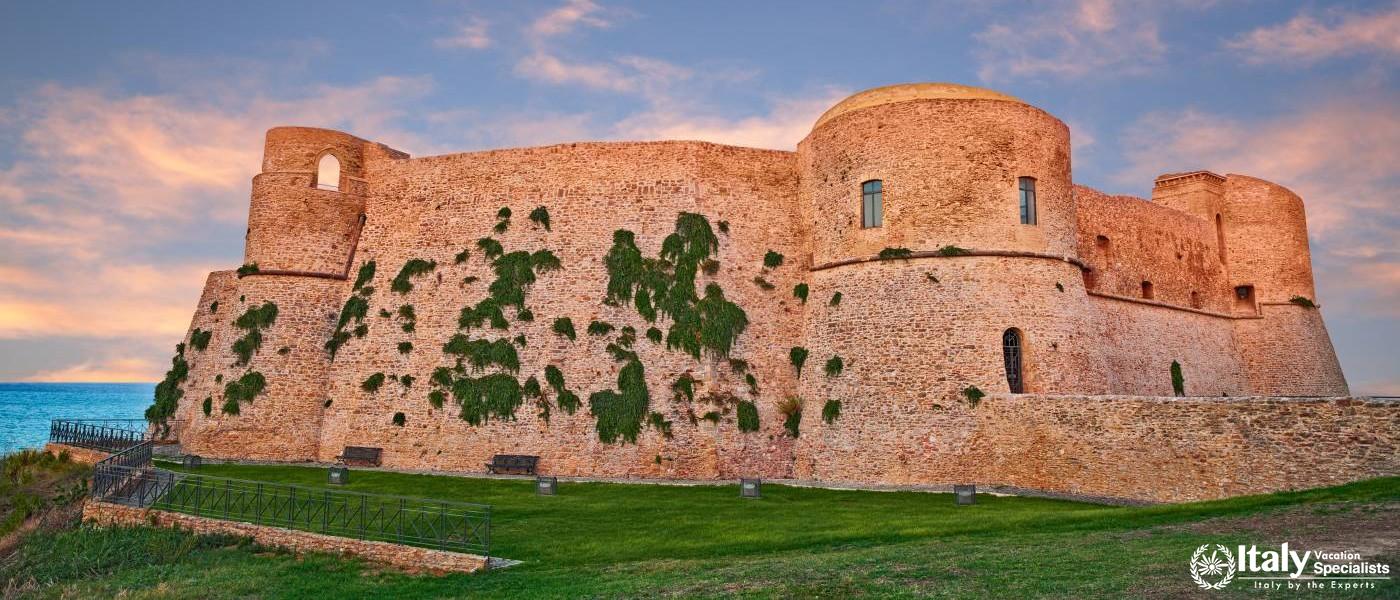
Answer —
(360, 456)
(513, 462)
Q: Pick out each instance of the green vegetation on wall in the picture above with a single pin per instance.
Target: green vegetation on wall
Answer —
(831, 411)
(566, 399)
(247, 269)
(365, 275)
(565, 326)
(1302, 301)
(799, 291)
(834, 366)
(798, 357)
(1178, 380)
(791, 409)
(372, 383)
(403, 282)
(600, 328)
(483, 353)
(208, 405)
(541, 217)
(835, 299)
(974, 395)
(199, 339)
(253, 321)
(747, 416)
(244, 389)
(619, 413)
(490, 247)
(895, 253)
(496, 395)
(399, 419)
(405, 347)
(951, 250)
(772, 260)
(168, 392)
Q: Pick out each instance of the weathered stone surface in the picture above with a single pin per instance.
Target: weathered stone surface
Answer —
(913, 333)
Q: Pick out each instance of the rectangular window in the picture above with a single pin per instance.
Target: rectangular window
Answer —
(872, 204)
(1027, 200)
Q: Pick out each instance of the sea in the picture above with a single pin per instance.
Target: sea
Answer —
(26, 408)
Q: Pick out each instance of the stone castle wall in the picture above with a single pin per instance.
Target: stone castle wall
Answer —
(913, 333)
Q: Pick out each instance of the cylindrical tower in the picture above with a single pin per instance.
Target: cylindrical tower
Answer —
(308, 202)
(1283, 342)
(976, 185)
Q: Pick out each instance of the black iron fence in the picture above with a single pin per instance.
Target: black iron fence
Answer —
(108, 435)
(443, 525)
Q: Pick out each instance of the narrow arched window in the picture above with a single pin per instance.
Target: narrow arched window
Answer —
(1027, 186)
(1011, 352)
(1147, 290)
(872, 204)
(328, 173)
(1195, 299)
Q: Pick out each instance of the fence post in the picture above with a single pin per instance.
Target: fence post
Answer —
(326, 512)
(362, 516)
(257, 505)
(400, 524)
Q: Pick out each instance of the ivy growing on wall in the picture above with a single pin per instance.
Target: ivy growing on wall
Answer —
(1303, 302)
(372, 383)
(600, 328)
(654, 335)
(834, 366)
(762, 283)
(403, 282)
(490, 247)
(462, 256)
(504, 220)
(168, 392)
(798, 357)
(1178, 380)
(772, 260)
(747, 416)
(541, 217)
(247, 269)
(208, 405)
(799, 291)
(365, 275)
(405, 347)
(253, 321)
(243, 389)
(791, 409)
(199, 339)
(565, 326)
(481, 354)
(895, 253)
(660, 423)
(566, 399)
(951, 250)
(409, 317)
(831, 411)
(974, 395)
(619, 412)
(835, 299)
(214, 306)
(497, 395)
(399, 419)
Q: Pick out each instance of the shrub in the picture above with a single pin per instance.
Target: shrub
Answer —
(798, 357)
(372, 383)
(772, 260)
(565, 326)
(484, 353)
(462, 256)
(399, 419)
(253, 321)
(831, 411)
(566, 399)
(600, 328)
(525, 315)
(747, 416)
(799, 291)
(834, 366)
(214, 306)
(762, 283)
(403, 282)
(1178, 380)
(407, 381)
(791, 409)
(247, 270)
(541, 217)
(245, 389)
(168, 392)
(752, 383)
(893, 253)
(1303, 302)
(405, 347)
(973, 394)
(497, 395)
(951, 250)
(684, 386)
(365, 275)
(208, 405)
(835, 299)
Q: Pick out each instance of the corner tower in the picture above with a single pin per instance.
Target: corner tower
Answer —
(298, 223)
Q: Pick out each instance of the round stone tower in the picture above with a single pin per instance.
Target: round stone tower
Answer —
(1283, 343)
(307, 209)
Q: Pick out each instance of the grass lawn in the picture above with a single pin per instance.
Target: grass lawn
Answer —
(616, 540)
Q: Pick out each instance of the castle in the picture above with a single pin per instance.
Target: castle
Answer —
(923, 296)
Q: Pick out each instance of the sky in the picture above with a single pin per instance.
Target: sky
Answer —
(129, 132)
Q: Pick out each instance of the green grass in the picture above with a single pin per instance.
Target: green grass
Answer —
(616, 540)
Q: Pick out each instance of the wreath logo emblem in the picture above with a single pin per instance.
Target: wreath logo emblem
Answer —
(1219, 569)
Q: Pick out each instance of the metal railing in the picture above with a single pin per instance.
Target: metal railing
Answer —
(110, 435)
(422, 522)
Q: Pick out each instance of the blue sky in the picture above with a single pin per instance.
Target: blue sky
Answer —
(130, 131)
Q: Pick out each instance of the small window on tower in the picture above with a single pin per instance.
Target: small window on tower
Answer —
(1147, 290)
(872, 204)
(1027, 185)
(328, 173)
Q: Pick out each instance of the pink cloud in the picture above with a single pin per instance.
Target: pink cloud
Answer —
(111, 370)
(1308, 39)
(1070, 39)
(567, 17)
(473, 35)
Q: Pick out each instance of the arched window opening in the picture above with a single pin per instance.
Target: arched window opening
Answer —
(872, 203)
(1105, 247)
(1220, 237)
(1027, 187)
(1244, 298)
(328, 173)
(1147, 290)
(1195, 299)
(1011, 352)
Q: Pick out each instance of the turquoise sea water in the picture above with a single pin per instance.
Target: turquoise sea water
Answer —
(25, 408)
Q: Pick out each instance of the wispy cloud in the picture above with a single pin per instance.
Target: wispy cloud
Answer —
(1335, 33)
(473, 34)
(1069, 39)
(571, 15)
(110, 370)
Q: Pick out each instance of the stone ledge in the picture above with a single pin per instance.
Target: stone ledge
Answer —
(79, 455)
(411, 559)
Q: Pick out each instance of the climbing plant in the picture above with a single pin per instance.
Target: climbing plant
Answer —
(799, 291)
(168, 392)
(403, 282)
(247, 269)
(791, 409)
(974, 395)
(199, 339)
(1178, 380)
(372, 383)
(835, 299)
(951, 250)
(798, 357)
(619, 413)
(895, 253)
(253, 321)
(364, 276)
(834, 366)
(772, 260)
(483, 353)
(541, 217)
(565, 326)
(831, 411)
(243, 389)
(747, 416)
(567, 400)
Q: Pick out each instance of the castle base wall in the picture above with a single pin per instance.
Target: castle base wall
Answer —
(1139, 448)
